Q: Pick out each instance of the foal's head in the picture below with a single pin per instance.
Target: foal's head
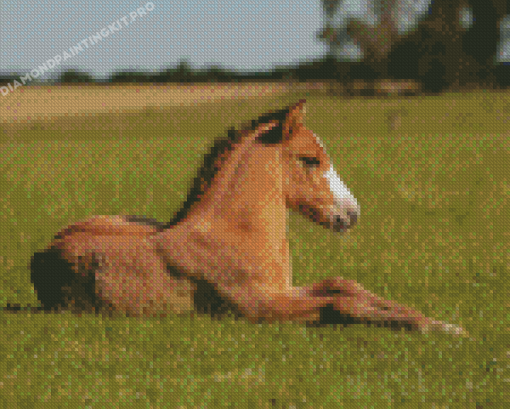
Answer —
(311, 184)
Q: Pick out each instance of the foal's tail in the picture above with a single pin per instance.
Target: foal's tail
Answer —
(57, 284)
(50, 273)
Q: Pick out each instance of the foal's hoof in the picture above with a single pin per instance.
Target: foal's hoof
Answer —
(439, 326)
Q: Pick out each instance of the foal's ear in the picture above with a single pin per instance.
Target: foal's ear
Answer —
(294, 119)
(262, 129)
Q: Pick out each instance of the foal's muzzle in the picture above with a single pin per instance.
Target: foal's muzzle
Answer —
(347, 219)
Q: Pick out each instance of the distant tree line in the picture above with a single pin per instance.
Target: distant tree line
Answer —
(319, 69)
(356, 77)
(453, 46)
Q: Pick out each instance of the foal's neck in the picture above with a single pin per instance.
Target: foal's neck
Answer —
(247, 217)
(248, 197)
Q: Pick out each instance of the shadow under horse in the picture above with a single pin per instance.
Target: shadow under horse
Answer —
(227, 248)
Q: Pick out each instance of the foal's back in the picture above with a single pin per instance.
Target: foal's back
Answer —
(108, 263)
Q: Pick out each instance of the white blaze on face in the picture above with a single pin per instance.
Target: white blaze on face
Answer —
(343, 196)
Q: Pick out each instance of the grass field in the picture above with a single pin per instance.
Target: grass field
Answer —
(46, 104)
(432, 178)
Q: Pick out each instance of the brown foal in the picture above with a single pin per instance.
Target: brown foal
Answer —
(228, 245)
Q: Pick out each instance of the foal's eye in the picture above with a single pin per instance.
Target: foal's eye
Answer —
(310, 161)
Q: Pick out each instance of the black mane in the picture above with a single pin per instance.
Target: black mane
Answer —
(220, 151)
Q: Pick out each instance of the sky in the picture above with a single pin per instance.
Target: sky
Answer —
(243, 35)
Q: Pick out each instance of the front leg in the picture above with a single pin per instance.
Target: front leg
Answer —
(353, 300)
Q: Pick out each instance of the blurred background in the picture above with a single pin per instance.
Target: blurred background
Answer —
(435, 45)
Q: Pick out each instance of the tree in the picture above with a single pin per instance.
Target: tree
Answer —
(127, 76)
(73, 76)
(502, 69)
(454, 43)
(433, 52)
(216, 73)
(375, 40)
(8, 78)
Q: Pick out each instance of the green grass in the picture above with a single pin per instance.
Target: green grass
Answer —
(433, 233)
